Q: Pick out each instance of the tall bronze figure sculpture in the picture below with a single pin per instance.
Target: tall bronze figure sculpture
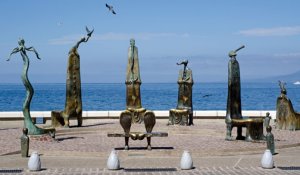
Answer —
(32, 129)
(183, 114)
(286, 117)
(73, 104)
(134, 112)
(234, 118)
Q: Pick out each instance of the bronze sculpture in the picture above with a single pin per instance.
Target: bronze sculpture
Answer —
(286, 117)
(24, 143)
(270, 140)
(134, 112)
(73, 104)
(267, 120)
(183, 114)
(234, 118)
(32, 128)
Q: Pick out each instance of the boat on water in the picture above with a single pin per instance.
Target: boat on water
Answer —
(296, 83)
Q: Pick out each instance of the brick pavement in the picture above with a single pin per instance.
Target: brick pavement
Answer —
(85, 150)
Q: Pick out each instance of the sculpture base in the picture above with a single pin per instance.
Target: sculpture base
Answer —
(254, 129)
(138, 136)
(59, 119)
(178, 117)
(139, 115)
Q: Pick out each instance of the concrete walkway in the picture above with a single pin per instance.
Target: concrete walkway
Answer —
(85, 150)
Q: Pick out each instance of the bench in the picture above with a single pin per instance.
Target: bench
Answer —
(254, 129)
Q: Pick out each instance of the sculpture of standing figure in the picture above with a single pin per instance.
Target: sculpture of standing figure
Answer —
(24, 143)
(73, 104)
(185, 102)
(133, 80)
(134, 112)
(32, 129)
(270, 140)
(234, 105)
(267, 120)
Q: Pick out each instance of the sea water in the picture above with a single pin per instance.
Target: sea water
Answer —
(155, 96)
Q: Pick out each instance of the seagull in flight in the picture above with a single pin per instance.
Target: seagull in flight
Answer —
(110, 8)
(89, 33)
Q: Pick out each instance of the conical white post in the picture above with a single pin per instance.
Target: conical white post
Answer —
(186, 162)
(267, 160)
(34, 162)
(113, 162)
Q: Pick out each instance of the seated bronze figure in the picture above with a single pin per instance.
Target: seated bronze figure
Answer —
(286, 117)
(234, 118)
(183, 114)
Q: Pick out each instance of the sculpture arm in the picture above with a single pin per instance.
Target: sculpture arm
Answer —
(33, 50)
(84, 39)
(15, 50)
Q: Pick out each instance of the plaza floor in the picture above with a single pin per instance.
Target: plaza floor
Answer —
(85, 150)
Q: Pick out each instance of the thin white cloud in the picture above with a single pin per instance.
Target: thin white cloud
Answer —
(117, 36)
(297, 54)
(277, 31)
(70, 39)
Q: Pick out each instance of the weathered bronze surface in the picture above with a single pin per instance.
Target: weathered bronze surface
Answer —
(185, 103)
(286, 117)
(73, 104)
(270, 140)
(234, 116)
(267, 120)
(134, 112)
(24, 143)
(32, 129)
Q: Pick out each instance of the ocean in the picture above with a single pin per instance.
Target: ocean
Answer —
(155, 96)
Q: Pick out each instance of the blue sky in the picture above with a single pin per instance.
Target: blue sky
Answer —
(202, 31)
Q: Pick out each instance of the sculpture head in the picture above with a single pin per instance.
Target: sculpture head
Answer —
(267, 114)
(132, 42)
(21, 42)
(269, 128)
(184, 62)
(232, 54)
(25, 131)
(282, 87)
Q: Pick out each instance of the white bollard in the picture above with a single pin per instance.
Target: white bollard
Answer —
(34, 162)
(113, 162)
(186, 162)
(267, 160)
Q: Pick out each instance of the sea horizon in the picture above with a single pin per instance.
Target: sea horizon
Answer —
(155, 96)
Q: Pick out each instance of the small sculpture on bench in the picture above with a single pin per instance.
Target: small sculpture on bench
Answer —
(73, 104)
(234, 118)
(183, 114)
(286, 117)
(134, 112)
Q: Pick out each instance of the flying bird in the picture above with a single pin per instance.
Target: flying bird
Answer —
(89, 33)
(110, 8)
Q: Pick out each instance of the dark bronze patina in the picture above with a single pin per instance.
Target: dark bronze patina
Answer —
(234, 116)
(183, 114)
(32, 128)
(286, 117)
(267, 120)
(270, 140)
(24, 143)
(134, 112)
(73, 104)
